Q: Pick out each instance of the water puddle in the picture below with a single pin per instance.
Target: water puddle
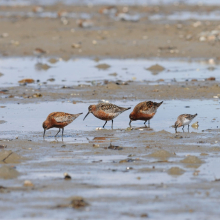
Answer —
(186, 15)
(44, 14)
(106, 2)
(182, 15)
(106, 170)
(98, 175)
(87, 71)
(24, 118)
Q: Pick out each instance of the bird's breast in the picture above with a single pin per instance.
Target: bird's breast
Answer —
(142, 116)
(104, 115)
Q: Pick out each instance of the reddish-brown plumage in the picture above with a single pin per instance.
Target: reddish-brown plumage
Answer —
(58, 120)
(144, 111)
(141, 116)
(106, 111)
(103, 115)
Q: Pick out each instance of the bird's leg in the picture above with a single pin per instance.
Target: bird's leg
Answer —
(130, 123)
(145, 123)
(176, 129)
(148, 123)
(104, 124)
(57, 132)
(62, 133)
(44, 133)
(112, 124)
(183, 128)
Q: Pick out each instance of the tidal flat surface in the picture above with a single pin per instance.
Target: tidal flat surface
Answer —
(169, 53)
(152, 172)
(57, 71)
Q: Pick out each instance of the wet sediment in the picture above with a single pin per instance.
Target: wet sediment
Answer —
(129, 173)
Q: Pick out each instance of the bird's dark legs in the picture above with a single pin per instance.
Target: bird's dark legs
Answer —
(62, 133)
(57, 132)
(44, 132)
(104, 124)
(130, 123)
(183, 128)
(176, 129)
(148, 123)
(112, 124)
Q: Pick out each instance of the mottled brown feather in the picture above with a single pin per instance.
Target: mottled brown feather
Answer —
(181, 118)
(60, 119)
(106, 111)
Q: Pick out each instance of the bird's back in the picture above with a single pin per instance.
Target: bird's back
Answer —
(111, 108)
(62, 117)
(147, 107)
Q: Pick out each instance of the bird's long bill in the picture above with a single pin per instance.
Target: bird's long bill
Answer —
(86, 116)
(44, 132)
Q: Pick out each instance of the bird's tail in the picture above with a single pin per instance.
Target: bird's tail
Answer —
(159, 104)
(195, 115)
(127, 108)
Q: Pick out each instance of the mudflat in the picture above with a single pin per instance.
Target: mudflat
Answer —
(157, 53)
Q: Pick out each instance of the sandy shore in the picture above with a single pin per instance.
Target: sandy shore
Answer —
(108, 36)
(151, 171)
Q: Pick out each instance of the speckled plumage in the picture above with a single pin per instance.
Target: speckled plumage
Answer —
(144, 111)
(58, 120)
(184, 119)
(105, 111)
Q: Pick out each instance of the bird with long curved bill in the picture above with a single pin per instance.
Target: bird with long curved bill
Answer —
(105, 111)
(58, 120)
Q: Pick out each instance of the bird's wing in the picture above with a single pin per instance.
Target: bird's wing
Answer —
(62, 117)
(109, 108)
(148, 108)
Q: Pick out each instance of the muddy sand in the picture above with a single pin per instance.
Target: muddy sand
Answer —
(121, 173)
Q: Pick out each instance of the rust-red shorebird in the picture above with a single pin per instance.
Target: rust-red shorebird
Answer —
(106, 111)
(58, 120)
(144, 111)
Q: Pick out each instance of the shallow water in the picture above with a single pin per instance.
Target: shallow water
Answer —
(106, 2)
(45, 14)
(186, 15)
(25, 118)
(76, 71)
(183, 15)
(113, 189)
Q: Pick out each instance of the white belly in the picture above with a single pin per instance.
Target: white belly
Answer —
(186, 121)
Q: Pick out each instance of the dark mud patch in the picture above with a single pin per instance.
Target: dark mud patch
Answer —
(175, 171)
(77, 202)
(155, 69)
(7, 156)
(192, 161)
(103, 66)
(7, 172)
(162, 154)
(113, 147)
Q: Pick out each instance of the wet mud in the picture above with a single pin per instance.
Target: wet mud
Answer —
(121, 173)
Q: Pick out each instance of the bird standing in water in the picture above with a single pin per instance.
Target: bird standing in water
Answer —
(106, 111)
(144, 111)
(58, 120)
(184, 119)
